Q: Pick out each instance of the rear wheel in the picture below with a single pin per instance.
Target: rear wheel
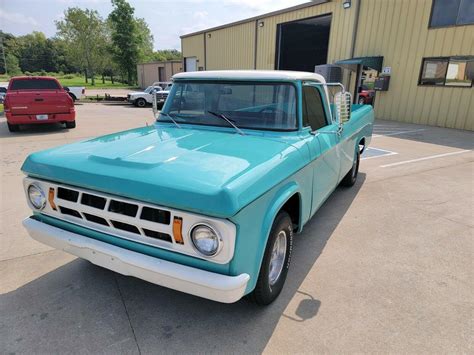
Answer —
(276, 261)
(351, 177)
(13, 127)
(70, 124)
(140, 102)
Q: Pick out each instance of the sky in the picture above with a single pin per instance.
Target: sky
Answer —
(167, 19)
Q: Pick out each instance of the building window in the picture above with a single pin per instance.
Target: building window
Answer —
(452, 13)
(447, 71)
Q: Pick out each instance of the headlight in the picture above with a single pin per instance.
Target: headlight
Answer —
(205, 239)
(36, 196)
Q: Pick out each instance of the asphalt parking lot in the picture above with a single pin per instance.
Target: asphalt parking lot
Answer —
(383, 267)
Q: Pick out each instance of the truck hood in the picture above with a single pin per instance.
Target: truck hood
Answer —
(205, 171)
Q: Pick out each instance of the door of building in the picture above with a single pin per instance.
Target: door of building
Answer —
(190, 64)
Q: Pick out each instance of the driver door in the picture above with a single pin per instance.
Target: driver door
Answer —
(324, 145)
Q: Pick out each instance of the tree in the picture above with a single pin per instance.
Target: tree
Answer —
(85, 34)
(132, 39)
(166, 54)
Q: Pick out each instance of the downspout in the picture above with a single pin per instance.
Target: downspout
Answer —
(352, 52)
(205, 54)
(255, 47)
(354, 29)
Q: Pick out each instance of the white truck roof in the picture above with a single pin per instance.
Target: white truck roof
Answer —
(251, 75)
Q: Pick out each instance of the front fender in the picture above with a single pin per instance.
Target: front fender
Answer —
(255, 221)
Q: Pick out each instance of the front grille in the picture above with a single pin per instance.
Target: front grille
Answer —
(93, 201)
(124, 208)
(104, 208)
(155, 215)
(68, 195)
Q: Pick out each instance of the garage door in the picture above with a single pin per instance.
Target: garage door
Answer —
(191, 64)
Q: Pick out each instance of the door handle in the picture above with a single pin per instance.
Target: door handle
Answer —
(39, 99)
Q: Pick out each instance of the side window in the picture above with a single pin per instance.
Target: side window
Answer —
(313, 109)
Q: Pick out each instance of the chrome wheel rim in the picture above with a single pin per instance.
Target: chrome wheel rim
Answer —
(277, 258)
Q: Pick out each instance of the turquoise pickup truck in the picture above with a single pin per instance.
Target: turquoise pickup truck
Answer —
(208, 200)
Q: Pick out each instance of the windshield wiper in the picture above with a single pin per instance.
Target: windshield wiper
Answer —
(171, 118)
(228, 120)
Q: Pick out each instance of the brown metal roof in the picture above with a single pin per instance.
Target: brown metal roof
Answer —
(269, 14)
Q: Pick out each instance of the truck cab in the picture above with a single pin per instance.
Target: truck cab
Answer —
(209, 199)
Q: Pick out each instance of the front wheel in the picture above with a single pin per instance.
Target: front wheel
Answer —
(351, 177)
(140, 102)
(361, 101)
(276, 261)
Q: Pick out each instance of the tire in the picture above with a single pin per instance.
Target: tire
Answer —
(351, 177)
(361, 101)
(271, 280)
(13, 127)
(140, 102)
(71, 124)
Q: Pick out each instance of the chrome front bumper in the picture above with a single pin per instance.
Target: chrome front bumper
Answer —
(216, 287)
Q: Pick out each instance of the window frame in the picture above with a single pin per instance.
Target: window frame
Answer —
(328, 118)
(445, 26)
(448, 59)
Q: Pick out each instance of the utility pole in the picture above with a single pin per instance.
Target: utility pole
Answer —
(3, 54)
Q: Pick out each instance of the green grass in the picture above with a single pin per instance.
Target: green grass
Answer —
(1, 107)
(80, 81)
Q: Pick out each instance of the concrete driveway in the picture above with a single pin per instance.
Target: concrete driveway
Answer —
(385, 266)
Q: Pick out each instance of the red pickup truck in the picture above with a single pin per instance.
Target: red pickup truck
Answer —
(37, 99)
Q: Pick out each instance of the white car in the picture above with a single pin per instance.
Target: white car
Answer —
(3, 92)
(142, 98)
(76, 92)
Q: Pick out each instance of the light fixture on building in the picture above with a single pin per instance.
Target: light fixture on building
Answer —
(346, 4)
(261, 24)
(208, 35)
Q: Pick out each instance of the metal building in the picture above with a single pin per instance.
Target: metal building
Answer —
(149, 73)
(421, 50)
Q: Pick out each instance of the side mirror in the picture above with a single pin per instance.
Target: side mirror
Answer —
(343, 103)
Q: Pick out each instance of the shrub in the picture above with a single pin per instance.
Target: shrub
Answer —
(68, 76)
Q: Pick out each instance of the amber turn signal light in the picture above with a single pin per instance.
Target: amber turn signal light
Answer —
(51, 198)
(177, 230)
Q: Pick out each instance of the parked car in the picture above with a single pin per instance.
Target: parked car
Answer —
(3, 92)
(366, 95)
(208, 200)
(143, 98)
(37, 100)
(76, 92)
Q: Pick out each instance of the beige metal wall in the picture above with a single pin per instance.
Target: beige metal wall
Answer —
(398, 30)
(193, 46)
(395, 29)
(231, 47)
(339, 39)
(148, 72)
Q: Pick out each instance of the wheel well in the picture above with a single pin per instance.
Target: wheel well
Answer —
(292, 207)
(362, 143)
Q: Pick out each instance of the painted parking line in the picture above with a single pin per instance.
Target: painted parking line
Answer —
(371, 153)
(425, 158)
(397, 133)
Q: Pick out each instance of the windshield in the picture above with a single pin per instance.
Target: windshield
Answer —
(267, 106)
(148, 89)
